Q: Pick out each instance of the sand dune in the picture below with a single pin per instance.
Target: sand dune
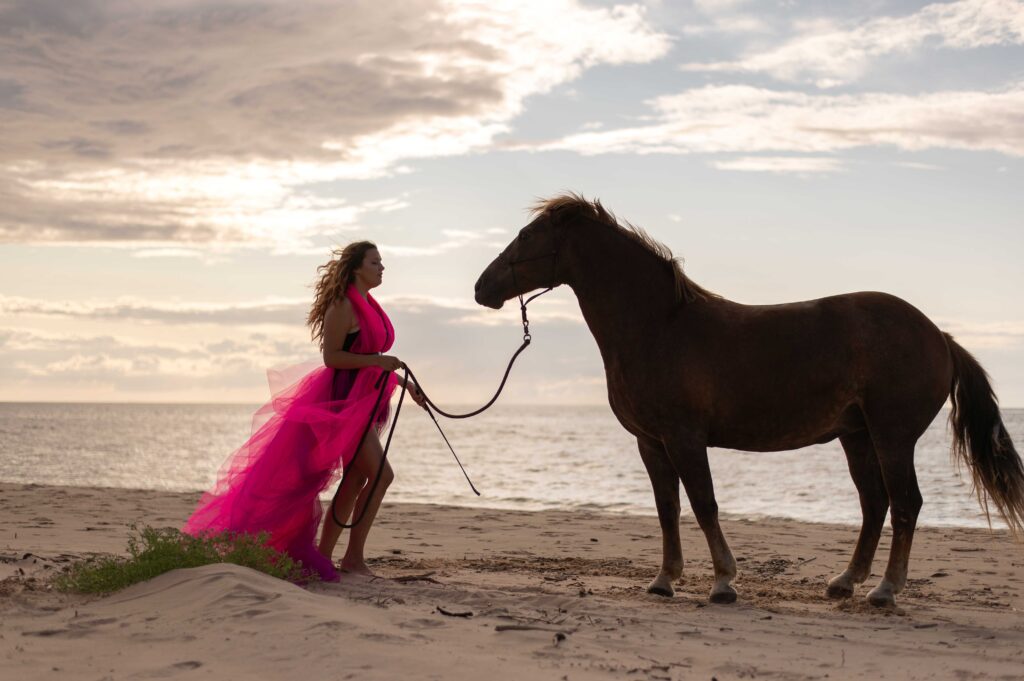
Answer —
(472, 593)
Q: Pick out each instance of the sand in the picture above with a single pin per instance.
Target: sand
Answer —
(467, 593)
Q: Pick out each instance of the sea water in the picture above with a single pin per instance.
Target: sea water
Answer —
(519, 457)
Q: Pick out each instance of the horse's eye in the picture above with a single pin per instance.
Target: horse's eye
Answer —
(523, 236)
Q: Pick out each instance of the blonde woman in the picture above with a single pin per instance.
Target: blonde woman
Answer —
(326, 422)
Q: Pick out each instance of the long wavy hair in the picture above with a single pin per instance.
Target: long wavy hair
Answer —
(334, 277)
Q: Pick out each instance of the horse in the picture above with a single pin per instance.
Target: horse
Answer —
(688, 369)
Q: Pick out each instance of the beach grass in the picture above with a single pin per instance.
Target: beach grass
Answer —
(154, 551)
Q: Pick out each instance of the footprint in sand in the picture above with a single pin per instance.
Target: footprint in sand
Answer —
(254, 612)
(171, 670)
(422, 623)
(383, 638)
(46, 633)
(76, 630)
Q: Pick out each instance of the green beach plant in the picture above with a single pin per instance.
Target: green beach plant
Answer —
(154, 551)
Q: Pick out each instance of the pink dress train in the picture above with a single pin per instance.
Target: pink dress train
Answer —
(301, 441)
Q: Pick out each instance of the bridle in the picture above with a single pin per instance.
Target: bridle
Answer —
(553, 254)
(382, 383)
(527, 337)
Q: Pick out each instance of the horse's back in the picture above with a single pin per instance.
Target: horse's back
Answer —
(873, 326)
(791, 374)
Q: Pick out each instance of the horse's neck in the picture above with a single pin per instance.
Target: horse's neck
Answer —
(625, 294)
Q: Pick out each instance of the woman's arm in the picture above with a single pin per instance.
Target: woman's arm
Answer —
(338, 321)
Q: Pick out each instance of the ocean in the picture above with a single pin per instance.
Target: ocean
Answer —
(519, 457)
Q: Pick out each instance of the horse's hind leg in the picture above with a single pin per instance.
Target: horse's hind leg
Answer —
(691, 462)
(665, 482)
(874, 502)
(897, 462)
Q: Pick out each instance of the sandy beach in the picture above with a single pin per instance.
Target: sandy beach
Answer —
(464, 593)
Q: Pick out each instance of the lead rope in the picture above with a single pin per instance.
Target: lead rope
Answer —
(527, 337)
(382, 384)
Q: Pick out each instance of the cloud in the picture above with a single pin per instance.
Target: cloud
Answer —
(458, 349)
(726, 25)
(168, 253)
(745, 119)
(725, 18)
(1001, 334)
(33, 359)
(282, 312)
(286, 312)
(190, 123)
(166, 208)
(717, 6)
(918, 166)
(454, 239)
(828, 55)
(781, 164)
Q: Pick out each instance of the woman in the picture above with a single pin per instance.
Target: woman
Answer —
(313, 428)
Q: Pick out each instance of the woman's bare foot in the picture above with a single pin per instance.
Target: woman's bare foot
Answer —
(357, 567)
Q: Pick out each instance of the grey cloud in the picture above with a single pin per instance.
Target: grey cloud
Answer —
(24, 220)
(271, 80)
(10, 94)
(835, 55)
(745, 119)
(78, 146)
(226, 345)
(123, 127)
(111, 107)
(458, 363)
(74, 19)
(289, 313)
(32, 346)
(73, 360)
(268, 313)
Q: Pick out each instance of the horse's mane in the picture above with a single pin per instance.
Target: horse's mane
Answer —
(686, 289)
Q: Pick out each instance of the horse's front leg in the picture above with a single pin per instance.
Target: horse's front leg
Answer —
(665, 482)
(691, 461)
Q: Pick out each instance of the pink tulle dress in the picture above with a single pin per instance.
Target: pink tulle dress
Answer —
(301, 441)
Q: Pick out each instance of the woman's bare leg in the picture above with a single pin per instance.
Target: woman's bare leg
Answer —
(343, 504)
(368, 463)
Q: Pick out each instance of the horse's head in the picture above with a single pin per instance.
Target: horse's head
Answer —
(529, 262)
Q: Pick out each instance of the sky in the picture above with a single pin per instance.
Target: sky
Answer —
(172, 174)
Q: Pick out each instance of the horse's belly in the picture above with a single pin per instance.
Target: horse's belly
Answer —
(767, 434)
(765, 444)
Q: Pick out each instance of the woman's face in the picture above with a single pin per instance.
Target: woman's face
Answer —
(371, 272)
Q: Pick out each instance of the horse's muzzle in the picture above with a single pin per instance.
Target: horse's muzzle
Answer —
(481, 295)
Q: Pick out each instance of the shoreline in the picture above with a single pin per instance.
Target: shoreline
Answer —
(570, 583)
(725, 515)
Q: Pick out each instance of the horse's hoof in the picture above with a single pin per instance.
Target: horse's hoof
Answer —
(839, 589)
(661, 587)
(881, 597)
(723, 595)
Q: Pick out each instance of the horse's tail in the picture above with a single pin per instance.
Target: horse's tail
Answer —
(980, 439)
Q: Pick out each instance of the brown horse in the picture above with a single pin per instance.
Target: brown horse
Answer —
(687, 370)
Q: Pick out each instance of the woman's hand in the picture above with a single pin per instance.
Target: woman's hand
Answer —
(389, 363)
(417, 394)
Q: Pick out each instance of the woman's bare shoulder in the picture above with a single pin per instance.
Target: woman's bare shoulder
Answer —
(343, 305)
(340, 315)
